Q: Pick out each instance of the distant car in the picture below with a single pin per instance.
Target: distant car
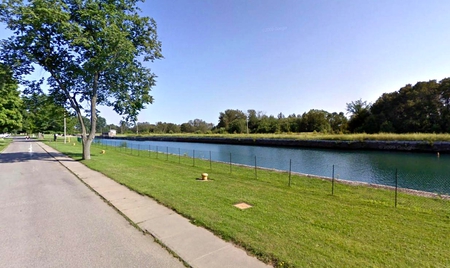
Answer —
(4, 135)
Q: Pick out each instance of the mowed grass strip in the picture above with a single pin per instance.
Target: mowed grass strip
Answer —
(4, 143)
(298, 226)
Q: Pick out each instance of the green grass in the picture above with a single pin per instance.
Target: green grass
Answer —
(430, 137)
(4, 143)
(298, 226)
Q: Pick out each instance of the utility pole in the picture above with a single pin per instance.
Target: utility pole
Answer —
(247, 122)
(65, 126)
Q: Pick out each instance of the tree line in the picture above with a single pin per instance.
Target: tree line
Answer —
(423, 107)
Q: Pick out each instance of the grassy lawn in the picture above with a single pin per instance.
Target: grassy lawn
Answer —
(298, 226)
(4, 143)
(430, 137)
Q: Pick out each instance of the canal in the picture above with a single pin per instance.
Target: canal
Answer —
(420, 171)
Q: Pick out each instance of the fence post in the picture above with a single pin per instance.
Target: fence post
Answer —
(149, 150)
(193, 157)
(131, 149)
(332, 182)
(210, 163)
(157, 152)
(167, 153)
(230, 163)
(179, 156)
(139, 148)
(256, 172)
(396, 186)
(290, 171)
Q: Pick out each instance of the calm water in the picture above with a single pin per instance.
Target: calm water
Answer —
(418, 171)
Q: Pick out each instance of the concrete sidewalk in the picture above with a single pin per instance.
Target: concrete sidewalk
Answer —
(195, 245)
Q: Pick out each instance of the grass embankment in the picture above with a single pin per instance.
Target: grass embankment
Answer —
(298, 226)
(4, 143)
(430, 137)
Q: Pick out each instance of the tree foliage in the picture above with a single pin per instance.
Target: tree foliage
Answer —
(10, 102)
(92, 49)
(100, 126)
(423, 107)
(42, 114)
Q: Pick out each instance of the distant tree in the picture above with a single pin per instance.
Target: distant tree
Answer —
(294, 122)
(112, 127)
(237, 126)
(418, 108)
(173, 128)
(187, 128)
(444, 96)
(360, 112)
(101, 125)
(42, 114)
(253, 120)
(200, 126)
(285, 124)
(268, 124)
(315, 120)
(124, 126)
(93, 51)
(142, 128)
(356, 107)
(232, 121)
(160, 127)
(86, 123)
(10, 102)
(338, 122)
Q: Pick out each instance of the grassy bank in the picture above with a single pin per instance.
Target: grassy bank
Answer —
(430, 137)
(299, 226)
(4, 143)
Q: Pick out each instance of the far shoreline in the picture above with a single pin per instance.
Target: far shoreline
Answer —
(372, 145)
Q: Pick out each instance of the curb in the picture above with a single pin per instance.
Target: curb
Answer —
(135, 225)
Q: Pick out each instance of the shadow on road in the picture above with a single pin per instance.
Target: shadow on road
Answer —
(24, 157)
(17, 157)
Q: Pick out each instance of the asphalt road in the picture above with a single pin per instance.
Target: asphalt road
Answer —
(48, 218)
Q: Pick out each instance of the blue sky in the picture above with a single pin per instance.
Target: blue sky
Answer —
(289, 56)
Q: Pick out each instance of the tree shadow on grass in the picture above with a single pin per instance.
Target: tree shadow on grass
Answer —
(74, 156)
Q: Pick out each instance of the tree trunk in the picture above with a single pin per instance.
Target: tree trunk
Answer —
(87, 149)
(87, 139)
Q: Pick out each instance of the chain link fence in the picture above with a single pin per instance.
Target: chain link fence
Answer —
(399, 190)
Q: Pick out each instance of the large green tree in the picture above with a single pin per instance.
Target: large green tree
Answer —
(10, 102)
(93, 50)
